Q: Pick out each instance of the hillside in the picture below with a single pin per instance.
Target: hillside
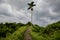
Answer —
(50, 32)
(19, 31)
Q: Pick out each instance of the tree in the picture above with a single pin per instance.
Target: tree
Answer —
(31, 5)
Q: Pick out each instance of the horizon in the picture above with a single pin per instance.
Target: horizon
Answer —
(33, 24)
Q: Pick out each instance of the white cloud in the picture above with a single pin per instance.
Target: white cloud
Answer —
(10, 14)
(45, 11)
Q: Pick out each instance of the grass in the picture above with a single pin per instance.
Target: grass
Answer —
(39, 36)
(17, 35)
(35, 36)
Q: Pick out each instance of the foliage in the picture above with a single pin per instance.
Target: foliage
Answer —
(29, 23)
(9, 28)
(17, 35)
(50, 32)
(15, 31)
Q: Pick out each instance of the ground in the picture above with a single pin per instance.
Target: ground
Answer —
(27, 35)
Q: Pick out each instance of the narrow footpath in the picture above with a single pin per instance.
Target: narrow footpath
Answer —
(27, 35)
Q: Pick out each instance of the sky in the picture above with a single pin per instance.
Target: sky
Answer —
(45, 12)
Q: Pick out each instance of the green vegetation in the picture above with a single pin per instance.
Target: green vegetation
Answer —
(17, 35)
(9, 29)
(15, 31)
(50, 32)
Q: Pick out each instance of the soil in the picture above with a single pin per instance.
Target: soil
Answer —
(27, 35)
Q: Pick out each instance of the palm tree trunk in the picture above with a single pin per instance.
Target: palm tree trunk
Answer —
(32, 17)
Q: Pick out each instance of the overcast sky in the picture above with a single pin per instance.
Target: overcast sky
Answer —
(45, 11)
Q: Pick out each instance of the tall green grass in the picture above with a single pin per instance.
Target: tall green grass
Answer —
(35, 35)
(40, 35)
(17, 35)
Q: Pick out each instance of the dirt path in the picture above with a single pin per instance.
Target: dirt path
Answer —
(27, 34)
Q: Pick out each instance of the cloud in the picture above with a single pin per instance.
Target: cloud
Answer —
(5, 9)
(45, 11)
(19, 4)
(8, 13)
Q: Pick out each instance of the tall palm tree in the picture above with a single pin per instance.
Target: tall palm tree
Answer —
(31, 5)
